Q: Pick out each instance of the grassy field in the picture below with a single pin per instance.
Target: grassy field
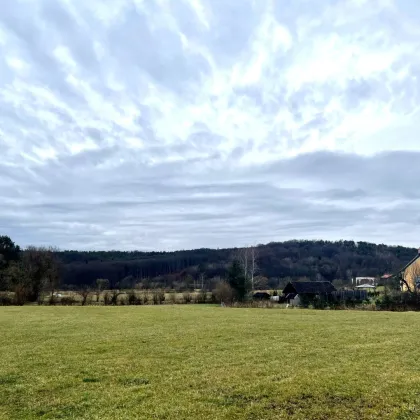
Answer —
(203, 362)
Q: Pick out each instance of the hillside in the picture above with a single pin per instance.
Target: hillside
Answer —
(277, 263)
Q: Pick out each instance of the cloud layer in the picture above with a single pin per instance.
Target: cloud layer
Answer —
(167, 124)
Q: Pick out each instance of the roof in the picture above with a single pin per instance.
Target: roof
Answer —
(411, 262)
(407, 265)
(309, 287)
(261, 295)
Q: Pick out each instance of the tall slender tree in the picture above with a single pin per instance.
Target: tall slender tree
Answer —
(237, 280)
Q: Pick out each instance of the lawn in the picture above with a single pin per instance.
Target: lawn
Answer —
(204, 362)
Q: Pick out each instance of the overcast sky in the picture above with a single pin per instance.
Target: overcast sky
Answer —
(173, 124)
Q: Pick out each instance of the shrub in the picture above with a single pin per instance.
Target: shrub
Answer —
(223, 293)
(212, 298)
(114, 297)
(51, 301)
(187, 297)
(68, 301)
(133, 299)
(398, 301)
(201, 297)
(21, 295)
(320, 303)
(40, 300)
(158, 297)
(6, 300)
(173, 297)
(107, 299)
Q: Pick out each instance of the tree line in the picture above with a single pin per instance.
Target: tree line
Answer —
(272, 265)
(28, 273)
(33, 270)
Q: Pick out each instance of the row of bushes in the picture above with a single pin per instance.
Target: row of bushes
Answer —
(388, 301)
(113, 298)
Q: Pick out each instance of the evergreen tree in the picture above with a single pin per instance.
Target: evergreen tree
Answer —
(237, 280)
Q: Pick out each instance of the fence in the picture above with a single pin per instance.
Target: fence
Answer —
(350, 295)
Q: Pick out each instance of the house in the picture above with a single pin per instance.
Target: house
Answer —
(363, 280)
(308, 288)
(409, 275)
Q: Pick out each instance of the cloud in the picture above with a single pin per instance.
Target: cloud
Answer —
(178, 124)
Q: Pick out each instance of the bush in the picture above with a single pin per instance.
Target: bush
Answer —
(21, 295)
(223, 293)
(52, 300)
(133, 299)
(187, 297)
(398, 301)
(114, 297)
(158, 297)
(320, 303)
(201, 297)
(68, 301)
(107, 299)
(212, 298)
(173, 298)
(6, 300)
(145, 298)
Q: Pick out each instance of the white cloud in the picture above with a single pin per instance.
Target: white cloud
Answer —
(167, 124)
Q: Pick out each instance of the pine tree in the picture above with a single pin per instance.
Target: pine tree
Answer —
(237, 280)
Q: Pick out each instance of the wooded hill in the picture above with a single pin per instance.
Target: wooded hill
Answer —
(277, 263)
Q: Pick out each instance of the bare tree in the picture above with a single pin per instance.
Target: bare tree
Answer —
(84, 293)
(202, 276)
(114, 296)
(253, 265)
(101, 285)
(248, 258)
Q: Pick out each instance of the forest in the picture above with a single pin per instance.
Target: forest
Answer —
(269, 266)
(276, 263)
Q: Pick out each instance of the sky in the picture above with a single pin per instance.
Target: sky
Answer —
(177, 124)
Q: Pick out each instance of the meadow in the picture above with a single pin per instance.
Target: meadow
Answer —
(207, 362)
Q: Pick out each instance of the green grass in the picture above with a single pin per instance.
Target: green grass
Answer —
(203, 362)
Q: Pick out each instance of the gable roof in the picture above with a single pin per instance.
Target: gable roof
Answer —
(309, 287)
(406, 266)
(411, 262)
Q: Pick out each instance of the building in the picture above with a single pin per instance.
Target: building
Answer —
(409, 275)
(364, 280)
(261, 296)
(309, 288)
